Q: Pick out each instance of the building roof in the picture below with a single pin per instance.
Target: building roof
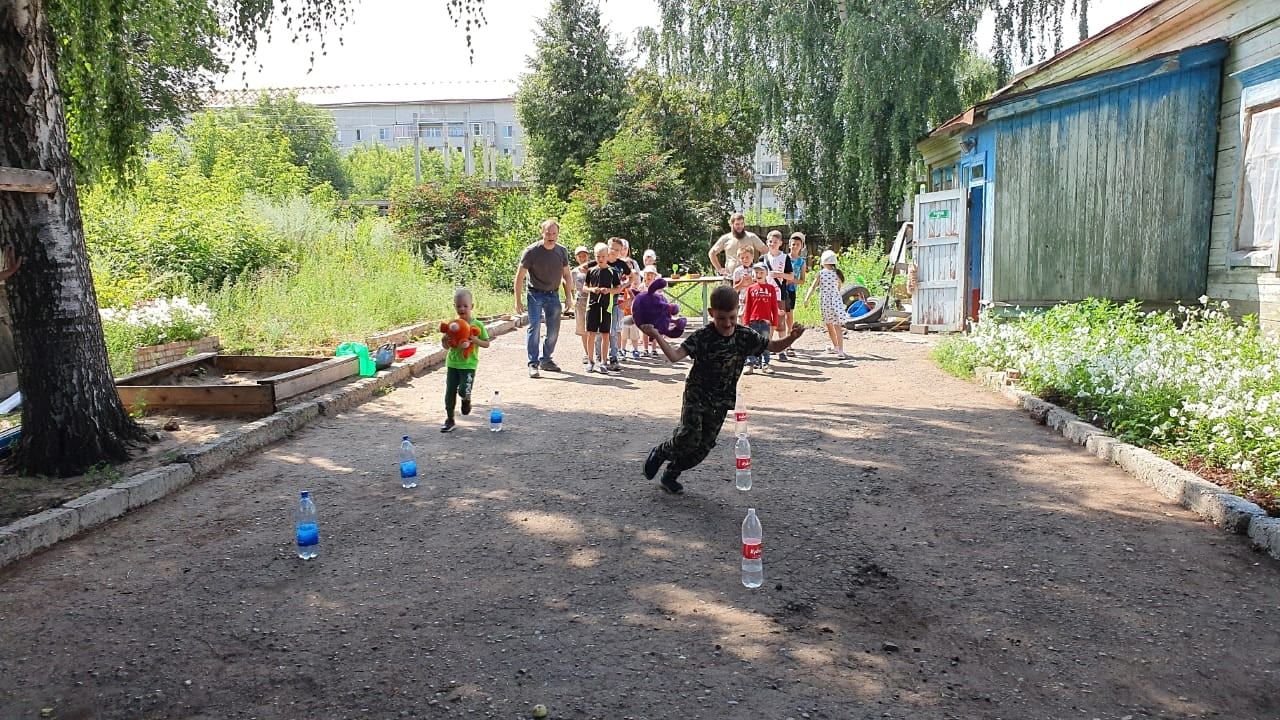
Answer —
(462, 91)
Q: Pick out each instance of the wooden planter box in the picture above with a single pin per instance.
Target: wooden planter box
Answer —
(287, 377)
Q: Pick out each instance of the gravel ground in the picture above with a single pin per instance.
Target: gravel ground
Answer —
(930, 552)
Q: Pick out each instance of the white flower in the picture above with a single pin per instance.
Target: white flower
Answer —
(1204, 299)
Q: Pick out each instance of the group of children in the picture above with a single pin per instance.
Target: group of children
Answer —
(604, 290)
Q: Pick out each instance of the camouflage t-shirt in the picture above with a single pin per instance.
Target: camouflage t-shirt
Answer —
(717, 365)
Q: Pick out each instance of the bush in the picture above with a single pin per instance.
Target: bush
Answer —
(632, 190)
(1194, 384)
(862, 265)
(447, 212)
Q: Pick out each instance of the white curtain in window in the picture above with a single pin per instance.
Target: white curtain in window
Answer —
(1260, 197)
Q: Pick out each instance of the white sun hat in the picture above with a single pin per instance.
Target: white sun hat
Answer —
(828, 257)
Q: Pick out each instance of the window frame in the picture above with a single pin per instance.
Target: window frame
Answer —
(1252, 255)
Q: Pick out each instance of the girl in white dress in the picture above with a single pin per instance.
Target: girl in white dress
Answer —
(827, 283)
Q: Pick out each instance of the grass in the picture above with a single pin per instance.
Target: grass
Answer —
(346, 284)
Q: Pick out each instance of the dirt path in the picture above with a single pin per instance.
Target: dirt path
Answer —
(1017, 576)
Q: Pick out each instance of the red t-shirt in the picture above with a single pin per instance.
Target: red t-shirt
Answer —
(762, 303)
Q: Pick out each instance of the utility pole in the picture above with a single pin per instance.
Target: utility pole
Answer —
(417, 153)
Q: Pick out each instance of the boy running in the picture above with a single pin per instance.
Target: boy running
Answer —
(718, 351)
(460, 370)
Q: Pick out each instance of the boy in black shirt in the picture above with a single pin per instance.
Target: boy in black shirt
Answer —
(719, 351)
(602, 282)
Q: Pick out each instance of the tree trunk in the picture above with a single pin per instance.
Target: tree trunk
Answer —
(72, 417)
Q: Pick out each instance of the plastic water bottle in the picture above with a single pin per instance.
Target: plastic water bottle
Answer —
(740, 417)
(752, 544)
(742, 450)
(408, 465)
(495, 414)
(308, 528)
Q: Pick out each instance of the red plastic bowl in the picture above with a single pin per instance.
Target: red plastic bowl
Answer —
(404, 352)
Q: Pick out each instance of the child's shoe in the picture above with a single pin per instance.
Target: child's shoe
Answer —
(653, 463)
(613, 366)
(591, 367)
(635, 354)
(782, 356)
(766, 370)
(447, 426)
(750, 369)
(669, 483)
(466, 405)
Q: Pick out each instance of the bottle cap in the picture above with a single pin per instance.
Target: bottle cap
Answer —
(306, 494)
(406, 437)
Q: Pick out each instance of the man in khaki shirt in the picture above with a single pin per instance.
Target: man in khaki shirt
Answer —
(731, 242)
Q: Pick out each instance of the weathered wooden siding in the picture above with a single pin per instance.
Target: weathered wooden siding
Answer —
(1109, 194)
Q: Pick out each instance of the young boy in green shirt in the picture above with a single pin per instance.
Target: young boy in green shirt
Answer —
(460, 369)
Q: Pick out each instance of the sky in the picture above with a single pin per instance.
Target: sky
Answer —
(402, 41)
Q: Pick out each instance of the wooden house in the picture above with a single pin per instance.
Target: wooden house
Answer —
(1141, 163)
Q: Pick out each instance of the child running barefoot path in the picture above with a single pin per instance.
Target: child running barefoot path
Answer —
(460, 369)
(718, 351)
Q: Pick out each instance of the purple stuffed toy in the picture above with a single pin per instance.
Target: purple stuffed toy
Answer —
(651, 307)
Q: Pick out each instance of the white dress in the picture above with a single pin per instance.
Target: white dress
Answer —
(829, 297)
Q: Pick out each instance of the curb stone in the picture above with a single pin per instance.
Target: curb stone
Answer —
(1225, 510)
(27, 535)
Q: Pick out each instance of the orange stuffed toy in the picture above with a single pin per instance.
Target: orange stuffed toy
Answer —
(458, 334)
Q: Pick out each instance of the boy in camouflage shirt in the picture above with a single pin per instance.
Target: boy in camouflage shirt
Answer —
(719, 351)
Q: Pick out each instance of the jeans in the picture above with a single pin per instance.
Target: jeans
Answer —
(763, 328)
(615, 334)
(543, 307)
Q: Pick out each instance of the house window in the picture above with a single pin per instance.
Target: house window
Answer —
(382, 133)
(1258, 219)
(431, 131)
(477, 129)
(338, 137)
(506, 151)
(357, 134)
(457, 131)
(507, 131)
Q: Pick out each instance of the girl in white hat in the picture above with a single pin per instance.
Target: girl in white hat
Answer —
(828, 286)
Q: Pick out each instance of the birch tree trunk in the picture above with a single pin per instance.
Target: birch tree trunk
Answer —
(72, 417)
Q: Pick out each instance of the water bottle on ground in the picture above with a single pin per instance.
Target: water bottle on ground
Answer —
(308, 528)
(495, 414)
(752, 543)
(740, 417)
(742, 450)
(408, 465)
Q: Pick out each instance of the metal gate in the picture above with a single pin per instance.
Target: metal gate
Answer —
(939, 256)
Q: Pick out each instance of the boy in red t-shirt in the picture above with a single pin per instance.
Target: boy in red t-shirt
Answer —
(761, 314)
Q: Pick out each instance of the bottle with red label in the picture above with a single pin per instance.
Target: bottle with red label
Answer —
(740, 417)
(752, 544)
(742, 452)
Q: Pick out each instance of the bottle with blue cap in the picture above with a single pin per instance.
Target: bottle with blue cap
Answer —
(308, 528)
(408, 465)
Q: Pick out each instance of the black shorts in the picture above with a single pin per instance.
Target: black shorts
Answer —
(599, 319)
(788, 300)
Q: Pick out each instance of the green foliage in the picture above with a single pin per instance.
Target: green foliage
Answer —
(713, 135)
(846, 88)
(634, 190)
(865, 265)
(445, 212)
(976, 78)
(309, 130)
(349, 282)
(1195, 384)
(572, 100)
(376, 172)
(764, 218)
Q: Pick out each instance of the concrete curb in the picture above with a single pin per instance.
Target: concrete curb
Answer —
(28, 535)
(1226, 510)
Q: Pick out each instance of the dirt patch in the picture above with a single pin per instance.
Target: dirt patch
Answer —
(930, 553)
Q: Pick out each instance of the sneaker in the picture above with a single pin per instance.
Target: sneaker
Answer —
(591, 367)
(766, 370)
(782, 356)
(602, 369)
(447, 426)
(533, 371)
(653, 463)
(841, 356)
(613, 366)
(550, 366)
(750, 369)
(466, 405)
(669, 484)
(635, 354)
(586, 360)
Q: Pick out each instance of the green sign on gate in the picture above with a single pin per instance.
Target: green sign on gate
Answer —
(939, 214)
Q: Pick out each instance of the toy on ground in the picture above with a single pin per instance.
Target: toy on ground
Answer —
(458, 334)
(651, 307)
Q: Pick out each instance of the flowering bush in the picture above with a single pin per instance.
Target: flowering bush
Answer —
(152, 322)
(1194, 384)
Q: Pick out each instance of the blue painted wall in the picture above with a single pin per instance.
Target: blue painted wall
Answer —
(1103, 186)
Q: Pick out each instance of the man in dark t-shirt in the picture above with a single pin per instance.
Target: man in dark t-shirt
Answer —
(546, 264)
(719, 351)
